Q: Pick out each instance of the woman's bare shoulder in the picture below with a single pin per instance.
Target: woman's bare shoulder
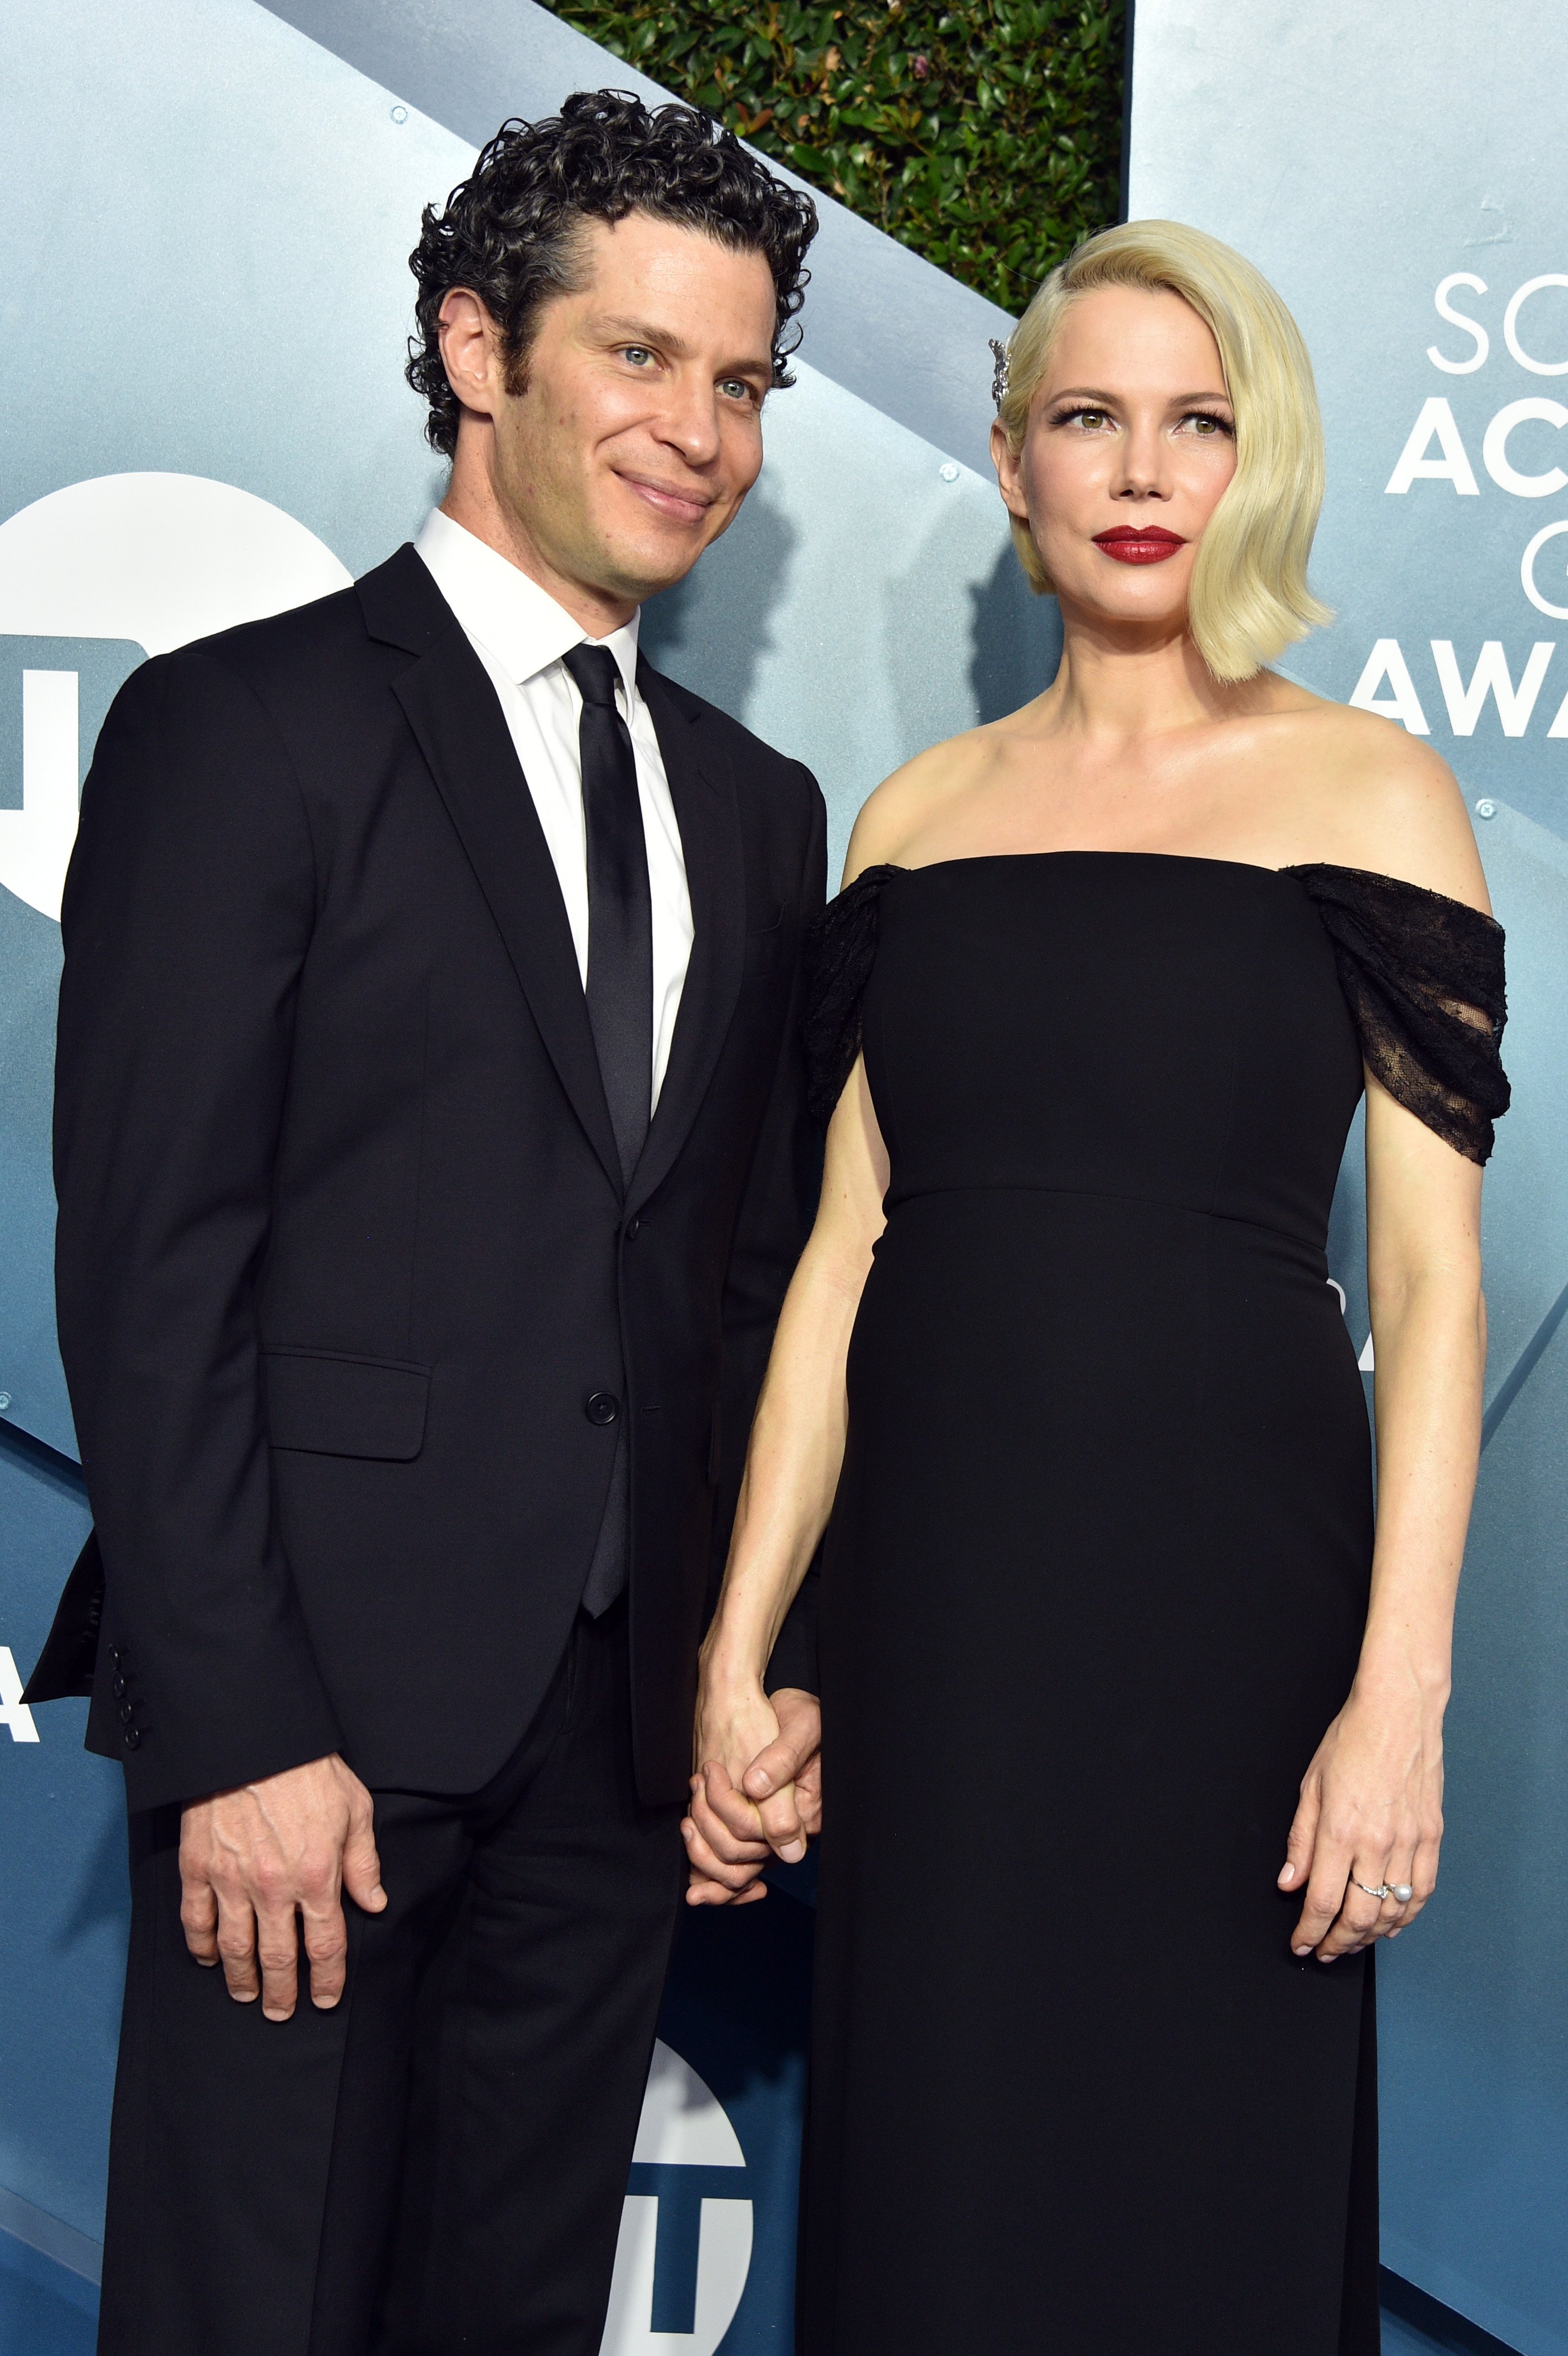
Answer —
(905, 805)
(1376, 797)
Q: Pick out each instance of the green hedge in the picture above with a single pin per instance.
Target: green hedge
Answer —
(988, 139)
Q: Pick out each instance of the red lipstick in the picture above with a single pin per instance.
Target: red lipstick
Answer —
(1139, 543)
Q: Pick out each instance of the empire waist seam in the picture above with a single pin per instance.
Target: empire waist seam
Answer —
(897, 1201)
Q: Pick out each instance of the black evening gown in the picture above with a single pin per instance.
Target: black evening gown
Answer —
(1093, 1588)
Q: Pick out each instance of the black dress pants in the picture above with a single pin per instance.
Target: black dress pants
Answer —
(439, 2163)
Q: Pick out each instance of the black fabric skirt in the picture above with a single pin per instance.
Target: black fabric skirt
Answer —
(1094, 1588)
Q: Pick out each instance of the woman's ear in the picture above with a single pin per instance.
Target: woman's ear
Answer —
(1006, 460)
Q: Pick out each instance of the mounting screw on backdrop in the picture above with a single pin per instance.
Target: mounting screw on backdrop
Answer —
(399, 113)
(1485, 810)
(5, 1401)
(949, 473)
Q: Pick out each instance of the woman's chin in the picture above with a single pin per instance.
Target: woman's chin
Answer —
(1138, 605)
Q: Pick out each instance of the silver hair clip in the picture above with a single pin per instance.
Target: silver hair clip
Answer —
(999, 375)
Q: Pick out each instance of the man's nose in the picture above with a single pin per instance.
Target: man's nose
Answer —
(689, 421)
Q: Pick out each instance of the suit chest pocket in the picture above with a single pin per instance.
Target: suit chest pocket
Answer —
(764, 933)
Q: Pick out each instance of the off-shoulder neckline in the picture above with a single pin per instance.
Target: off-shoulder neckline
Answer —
(1176, 858)
(998, 858)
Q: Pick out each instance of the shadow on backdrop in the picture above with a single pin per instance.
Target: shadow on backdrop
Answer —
(690, 631)
(1015, 640)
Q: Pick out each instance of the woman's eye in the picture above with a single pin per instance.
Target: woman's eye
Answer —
(1093, 419)
(1206, 425)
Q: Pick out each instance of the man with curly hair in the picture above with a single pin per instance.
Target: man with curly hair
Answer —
(432, 1162)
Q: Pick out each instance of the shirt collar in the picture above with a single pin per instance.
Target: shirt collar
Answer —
(519, 624)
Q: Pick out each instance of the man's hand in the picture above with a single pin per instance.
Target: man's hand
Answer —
(785, 1779)
(253, 1859)
(733, 1828)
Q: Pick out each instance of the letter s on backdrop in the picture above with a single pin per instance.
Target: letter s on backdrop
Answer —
(1457, 318)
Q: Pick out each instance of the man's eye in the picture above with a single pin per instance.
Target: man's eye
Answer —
(735, 388)
(638, 355)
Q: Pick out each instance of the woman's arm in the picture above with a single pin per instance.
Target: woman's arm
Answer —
(1371, 1801)
(786, 1496)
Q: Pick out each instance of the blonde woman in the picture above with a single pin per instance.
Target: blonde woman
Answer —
(1134, 1713)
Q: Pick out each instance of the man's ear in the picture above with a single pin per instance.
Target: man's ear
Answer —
(471, 351)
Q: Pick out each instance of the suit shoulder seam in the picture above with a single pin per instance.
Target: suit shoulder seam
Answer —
(229, 671)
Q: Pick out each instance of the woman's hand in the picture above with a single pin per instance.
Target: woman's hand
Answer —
(1371, 1815)
(758, 1789)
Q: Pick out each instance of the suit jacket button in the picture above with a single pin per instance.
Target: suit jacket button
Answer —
(601, 1408)
(133, 1738)
(119, 1688)
(115, 1654)
(633, 1229)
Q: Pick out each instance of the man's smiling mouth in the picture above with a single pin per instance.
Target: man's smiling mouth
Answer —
(683, 505)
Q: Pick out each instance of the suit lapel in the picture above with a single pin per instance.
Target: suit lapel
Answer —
(703, 793)
(452, 707)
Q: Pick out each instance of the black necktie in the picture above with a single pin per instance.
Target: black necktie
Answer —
(620, 999)
(620, 910)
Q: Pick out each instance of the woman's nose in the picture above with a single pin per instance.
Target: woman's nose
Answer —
(1143, 472)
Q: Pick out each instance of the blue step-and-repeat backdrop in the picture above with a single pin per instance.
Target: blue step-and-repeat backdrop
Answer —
(208, 205)
(213, 203)
(1397, 172)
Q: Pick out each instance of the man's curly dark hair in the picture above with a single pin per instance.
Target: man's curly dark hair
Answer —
(512, 232)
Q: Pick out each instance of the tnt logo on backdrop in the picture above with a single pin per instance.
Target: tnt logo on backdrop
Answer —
(685, 2247)
(1511, 448)
(93, 577)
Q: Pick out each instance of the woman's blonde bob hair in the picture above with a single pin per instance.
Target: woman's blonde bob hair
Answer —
(1249, 597)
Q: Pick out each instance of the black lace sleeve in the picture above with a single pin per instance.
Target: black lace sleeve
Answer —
(1423, 977)
(840, 950)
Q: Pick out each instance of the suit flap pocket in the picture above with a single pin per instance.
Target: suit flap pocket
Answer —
(345, 1407)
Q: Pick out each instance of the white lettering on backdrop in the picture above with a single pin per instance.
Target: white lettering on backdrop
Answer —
(14, 1714)
(1435, 423)
(1435, 452)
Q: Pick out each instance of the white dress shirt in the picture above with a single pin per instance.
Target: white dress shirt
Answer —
(519, 634)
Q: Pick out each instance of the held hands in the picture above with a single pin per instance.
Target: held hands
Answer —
(758, 1792)
(1370, 1819)
(253, 1859)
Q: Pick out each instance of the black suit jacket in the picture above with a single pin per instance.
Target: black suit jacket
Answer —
(352, 1303)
